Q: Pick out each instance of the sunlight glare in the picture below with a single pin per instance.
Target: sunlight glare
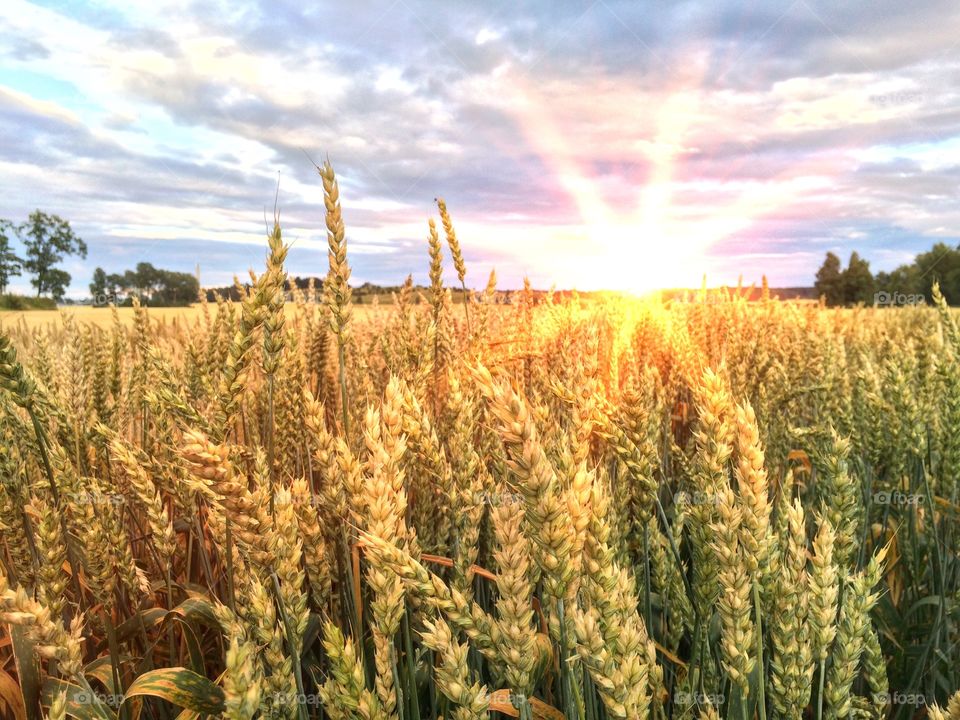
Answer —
(660, 241)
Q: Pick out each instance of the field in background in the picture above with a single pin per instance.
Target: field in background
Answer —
(103, 317)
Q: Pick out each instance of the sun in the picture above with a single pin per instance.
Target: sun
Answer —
(634, 257)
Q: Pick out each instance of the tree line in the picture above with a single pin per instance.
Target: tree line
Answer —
(46, 240)
(151, 285)
(312, 287)
(908, 284)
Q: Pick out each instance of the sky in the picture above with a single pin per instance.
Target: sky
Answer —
(599, 144)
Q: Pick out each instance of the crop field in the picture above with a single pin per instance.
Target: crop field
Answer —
(49, 321)
(556, 508)
(20, 321)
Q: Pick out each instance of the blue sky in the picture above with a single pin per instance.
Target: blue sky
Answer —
(582, 144)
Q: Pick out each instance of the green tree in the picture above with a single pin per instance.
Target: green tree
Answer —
(940, 263)
(829, 284)
(905, 280)
(907, 283)
(114, 283)
(10, 263)
(148, 278)
(98, 287)
(176, 288)
(48, 239)
(857, 281)
(57, 282)
(154, 285)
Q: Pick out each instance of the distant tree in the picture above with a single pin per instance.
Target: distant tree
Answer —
(829, 282)
(940, 263)
(10, 263)
(148, 278)
(175, 288)
(153, 285)
(144, 281)
(907, 283)
(905, 280)
(857, 281)
(48, 239)
(98, 286)
(57, 281)
(114, 283)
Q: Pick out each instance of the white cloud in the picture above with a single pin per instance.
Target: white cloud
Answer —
(485, 35)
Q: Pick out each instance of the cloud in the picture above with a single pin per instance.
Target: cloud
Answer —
(27, 49)
(564, 136)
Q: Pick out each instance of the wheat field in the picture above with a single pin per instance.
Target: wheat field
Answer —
(26, 321)
(603, 508)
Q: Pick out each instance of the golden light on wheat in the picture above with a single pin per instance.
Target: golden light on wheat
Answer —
(526, 504)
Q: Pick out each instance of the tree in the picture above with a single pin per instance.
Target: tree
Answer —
(142, 282)
(905, 280)
(857, 281)
(176, 288)
(57, 281)
(47, 239)
(829, 282)
(151, 285)
(941, 263)
(10, 263)
(114, 283)
(906, 284)
(148, 278)
(98, 287)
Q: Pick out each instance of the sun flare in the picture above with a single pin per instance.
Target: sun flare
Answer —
(645, 225)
